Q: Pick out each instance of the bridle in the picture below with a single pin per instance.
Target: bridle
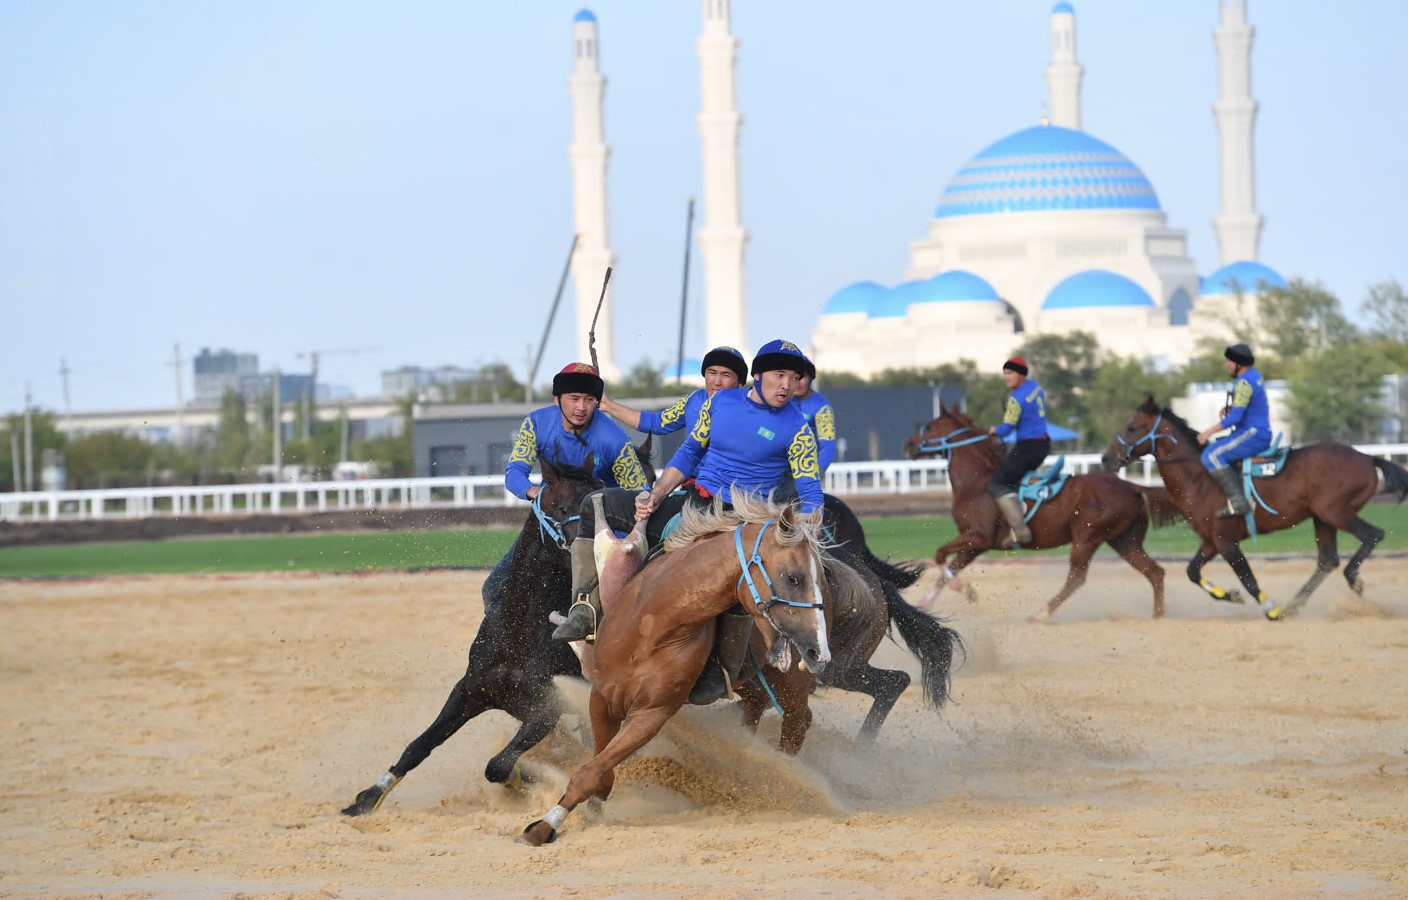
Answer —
(1152, 437)
(945, 443)
(548, 527)
(747, 577)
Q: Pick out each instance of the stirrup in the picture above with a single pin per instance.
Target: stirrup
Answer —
(1229, 511)
(561, 635)
(698, 698)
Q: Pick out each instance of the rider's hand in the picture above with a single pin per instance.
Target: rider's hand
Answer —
(533, 491)
(645, 505)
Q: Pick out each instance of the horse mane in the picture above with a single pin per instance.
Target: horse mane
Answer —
(748, 508)
(1185, 430)
(991, 449)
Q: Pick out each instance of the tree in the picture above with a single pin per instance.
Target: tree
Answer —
(1065, 364)
(108, 459)
(1386, 308)
(645, 379)
(1337, 394)
(1301, 319)
(44, 435)
(234, 436)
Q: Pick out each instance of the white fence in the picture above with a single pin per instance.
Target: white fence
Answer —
(842, 479)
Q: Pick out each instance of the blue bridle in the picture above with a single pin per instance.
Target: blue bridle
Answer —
(1152, 437)
(747, 576)
(945, 443)
(548, 527)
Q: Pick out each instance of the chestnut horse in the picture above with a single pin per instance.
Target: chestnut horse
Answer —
(1327, 482)
(649, 653)
(1091, 510)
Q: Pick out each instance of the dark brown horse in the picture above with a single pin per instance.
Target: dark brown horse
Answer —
(1327, 482)
(1091, 510)
(650, 652)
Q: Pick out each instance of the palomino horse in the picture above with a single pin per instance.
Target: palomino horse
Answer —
(651, 650)
(1327, 482)
(1091, 510)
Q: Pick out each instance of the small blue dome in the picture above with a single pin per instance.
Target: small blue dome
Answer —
(956, 286)
(584, 15)
(853, 298)
(1046, 168)
(1251, 277)
(1096, 288)
(1063, 7)
(690, 367)
(895, 302)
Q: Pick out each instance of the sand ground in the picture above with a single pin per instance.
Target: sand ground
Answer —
(196, 736)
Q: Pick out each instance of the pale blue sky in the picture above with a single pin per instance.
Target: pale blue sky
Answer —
(276, 177)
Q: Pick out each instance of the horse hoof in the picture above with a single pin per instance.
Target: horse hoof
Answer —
(972, 594)
(367, 802)
(1357, 585)
(537, 834)
(1040, 618)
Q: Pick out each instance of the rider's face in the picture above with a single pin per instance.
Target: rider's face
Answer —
(577, 409)
(719, 378)
(804, 387)
(1230, 366)
(777, 387)
(1011, 378)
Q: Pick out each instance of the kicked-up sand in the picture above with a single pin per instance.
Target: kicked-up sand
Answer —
(196, 737)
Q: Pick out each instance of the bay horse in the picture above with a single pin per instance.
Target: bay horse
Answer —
(1091, 510)
(1328, 483)
(650, 652)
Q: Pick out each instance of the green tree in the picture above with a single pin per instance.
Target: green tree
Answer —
(1336, 395)
(234, 436)
(1066, 365)
(1386, 308)
(1301, 319)
(108, 459)
(646, 379)
(44, 435)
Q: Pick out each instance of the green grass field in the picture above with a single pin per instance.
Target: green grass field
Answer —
(901, 538)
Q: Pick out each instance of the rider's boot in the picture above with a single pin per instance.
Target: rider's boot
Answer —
(1230, 483)
(1011, 508)
(721, 671)
(585, 613)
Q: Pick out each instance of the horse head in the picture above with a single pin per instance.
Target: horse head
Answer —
(1140, 436)
(784, 588)
(559, 503)
(942, 434)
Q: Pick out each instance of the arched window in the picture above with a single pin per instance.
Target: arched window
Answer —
(1178, 307)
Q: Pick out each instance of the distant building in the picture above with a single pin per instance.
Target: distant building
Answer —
(291, 386)
(430, 384)
(221, 371)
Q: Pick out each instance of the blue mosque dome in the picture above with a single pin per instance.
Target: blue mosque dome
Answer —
(895, 302)
(1063, 7)
(1047, 168)
(1096, 288)
(584, 15)
(853, 298)
(956, 286)
(677, 371)
(1251, 277)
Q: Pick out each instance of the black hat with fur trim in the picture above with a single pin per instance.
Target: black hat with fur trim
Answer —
(727, 357)
(578, 378)
(1240, 354)
(780, 354)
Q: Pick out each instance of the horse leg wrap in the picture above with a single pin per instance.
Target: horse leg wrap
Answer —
(1268, 608)
(556, 816)
(1217, 593)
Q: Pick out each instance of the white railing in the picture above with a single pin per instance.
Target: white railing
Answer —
(878, 477)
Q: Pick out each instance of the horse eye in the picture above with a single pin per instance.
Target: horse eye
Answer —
(794, 580)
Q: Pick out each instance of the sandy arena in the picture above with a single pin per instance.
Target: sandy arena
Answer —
(196, 737)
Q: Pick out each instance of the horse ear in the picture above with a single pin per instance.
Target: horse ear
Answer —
(646, 449)
(589, 464)
(550, 472)
(788, 520)
(1149, 402)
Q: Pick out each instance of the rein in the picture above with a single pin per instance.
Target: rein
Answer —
(548, 527)
(1152, 437)
(945, 442)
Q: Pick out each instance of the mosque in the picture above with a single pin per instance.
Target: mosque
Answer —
(1048, 230)
(1051, 230)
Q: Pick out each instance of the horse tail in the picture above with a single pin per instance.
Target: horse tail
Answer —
(901, 575)
(1395, 477)
(933, 643)
(845, 529)
(1160, 506)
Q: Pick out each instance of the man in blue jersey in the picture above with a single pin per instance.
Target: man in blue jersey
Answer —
(1024, 415)
(723, 368)
(744, 439)
(565, 434)
(818, 411)
(1248, 414)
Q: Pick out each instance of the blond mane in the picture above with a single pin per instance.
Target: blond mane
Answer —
(748, 508)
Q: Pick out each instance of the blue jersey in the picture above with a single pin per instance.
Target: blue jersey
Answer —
(542, 436)
(751, 446)
(684, 412)
(817, 410)
(1025, 413)
(1249, 407)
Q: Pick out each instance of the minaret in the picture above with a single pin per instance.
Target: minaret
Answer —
(588, 155)
(722, 239)
(1238, 226)
(1064, 74)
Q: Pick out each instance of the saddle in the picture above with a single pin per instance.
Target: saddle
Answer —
(1267, 463)
(1041, 485)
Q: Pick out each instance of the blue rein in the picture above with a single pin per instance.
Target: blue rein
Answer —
(1152, 437)
(755, 560)
(548, 527)
(946, 442)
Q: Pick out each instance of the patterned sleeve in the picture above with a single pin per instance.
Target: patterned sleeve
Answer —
(521, 460)
(666, 421)
(627, 469)
(1241, 399)
(806, 470)
(686, 459)
(825, 424)
(1011, 415)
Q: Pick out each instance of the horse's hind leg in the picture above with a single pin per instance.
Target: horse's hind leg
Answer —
(884, 686)
(1081, 552)
(538, 713)
(1238, 560)
(1195, 574)
(1327, 559)
(1130, 547)
(1369, 536)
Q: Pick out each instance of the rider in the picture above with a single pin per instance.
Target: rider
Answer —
(723, 368)
(1025, 414)
(754, 438)
(818, 411)
(564, 434)
(1249, 417)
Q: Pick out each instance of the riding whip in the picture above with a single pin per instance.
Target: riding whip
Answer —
(591, 334)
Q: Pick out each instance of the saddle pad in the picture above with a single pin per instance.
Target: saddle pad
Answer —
(1265, 466)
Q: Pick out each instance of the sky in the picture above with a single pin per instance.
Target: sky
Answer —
(388, 183)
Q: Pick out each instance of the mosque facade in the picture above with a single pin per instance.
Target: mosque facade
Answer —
(1051, 230)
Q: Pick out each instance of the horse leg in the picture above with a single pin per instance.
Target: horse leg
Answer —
(966, 548)
(1082, 549)
(1327, 559)
(539, 713)
(883, 686)
(615, 741)
(1195, 574)
(1130, 547)
(754, 705)
(1369, 536)
(1238, 560)
(793, 697)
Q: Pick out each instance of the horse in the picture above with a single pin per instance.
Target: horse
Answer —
(1328, 482)
(649, 653)
(1092, 509)
(513, 659)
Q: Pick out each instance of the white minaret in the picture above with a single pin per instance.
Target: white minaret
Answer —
(1064, 74)
(722, 238)
(588, 155)
(1238, 225)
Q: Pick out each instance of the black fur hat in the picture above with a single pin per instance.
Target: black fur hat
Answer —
(1240, 354)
